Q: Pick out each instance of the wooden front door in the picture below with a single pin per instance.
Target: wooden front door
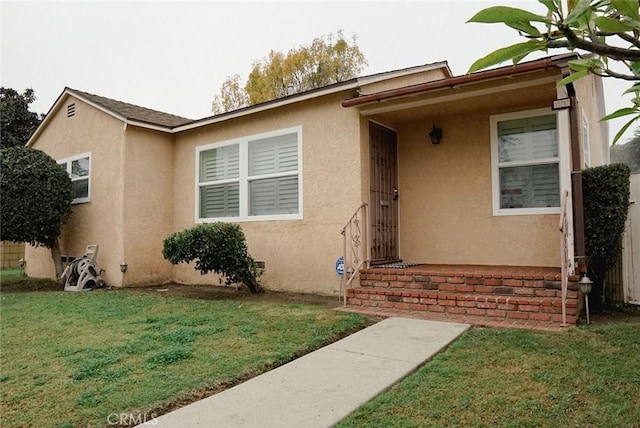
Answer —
(383, 194)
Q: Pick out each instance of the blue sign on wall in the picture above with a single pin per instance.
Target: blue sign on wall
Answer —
(340, 266)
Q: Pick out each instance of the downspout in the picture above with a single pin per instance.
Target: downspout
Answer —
(576, 178)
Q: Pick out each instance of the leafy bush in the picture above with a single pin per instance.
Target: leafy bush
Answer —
(606, 204)
(36, 195)
(215, 247)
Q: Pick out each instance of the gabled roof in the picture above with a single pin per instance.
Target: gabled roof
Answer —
(131, 112)
(143, 117)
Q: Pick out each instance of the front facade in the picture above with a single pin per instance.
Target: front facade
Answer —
(293, 171)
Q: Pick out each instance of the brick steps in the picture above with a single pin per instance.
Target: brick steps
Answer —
(498, 306)
(494, 292)
(476, 321)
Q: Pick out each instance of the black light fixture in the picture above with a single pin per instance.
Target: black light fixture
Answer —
(435, 135)
(123, 267)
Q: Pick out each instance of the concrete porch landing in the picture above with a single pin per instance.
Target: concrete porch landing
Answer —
(321, 388)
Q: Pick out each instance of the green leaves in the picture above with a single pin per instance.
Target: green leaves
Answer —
(17, 123)
(215, 247)
(504, 14)
(35, 195)
(627, 8)
(514, 52)
(579, 10)
(611, 25)
(606, 202)
(607, 29)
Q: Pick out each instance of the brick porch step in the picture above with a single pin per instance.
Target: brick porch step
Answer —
(514, 307)
(538, 282)
(495, 292)
(474, 320)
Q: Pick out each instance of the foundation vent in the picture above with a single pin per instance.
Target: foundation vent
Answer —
(71, 110)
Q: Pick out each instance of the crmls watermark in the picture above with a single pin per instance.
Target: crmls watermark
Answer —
(128, 419)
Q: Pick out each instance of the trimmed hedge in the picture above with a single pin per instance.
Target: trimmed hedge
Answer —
(606, 204)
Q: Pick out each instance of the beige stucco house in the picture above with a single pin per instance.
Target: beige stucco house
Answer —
(293, 171)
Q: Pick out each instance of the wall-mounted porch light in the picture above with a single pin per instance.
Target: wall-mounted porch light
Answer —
(123, 267)
(435, 135)
(22, 262)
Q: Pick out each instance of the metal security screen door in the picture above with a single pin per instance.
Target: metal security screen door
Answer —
(383, 195)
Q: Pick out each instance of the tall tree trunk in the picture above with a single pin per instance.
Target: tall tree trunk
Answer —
(56, 255)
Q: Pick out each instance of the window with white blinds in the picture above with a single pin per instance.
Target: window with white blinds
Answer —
(254, 178)
(526, 163)
(79, 170)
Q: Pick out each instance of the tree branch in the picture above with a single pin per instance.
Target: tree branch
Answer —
(611, 73)
(612, 52)
(634, 41)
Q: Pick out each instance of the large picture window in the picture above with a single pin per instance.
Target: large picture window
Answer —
(254, 178)
(526, 162)
(79, 169)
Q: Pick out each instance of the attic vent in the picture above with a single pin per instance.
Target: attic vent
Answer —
(71, 110)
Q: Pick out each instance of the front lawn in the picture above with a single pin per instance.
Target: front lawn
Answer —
(584, 377)
(74, 359)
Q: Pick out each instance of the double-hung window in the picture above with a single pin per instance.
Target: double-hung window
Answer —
(253, 178)
(79, 169)
(526, 163)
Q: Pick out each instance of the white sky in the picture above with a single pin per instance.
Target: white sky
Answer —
(173, 56)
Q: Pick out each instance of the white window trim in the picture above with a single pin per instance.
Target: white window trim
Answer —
(495, 172)
(244, 178)
(586, 141)
(68, 162)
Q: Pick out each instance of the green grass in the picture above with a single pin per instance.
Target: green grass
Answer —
(72, 359)
(15, 280)
(587, 376)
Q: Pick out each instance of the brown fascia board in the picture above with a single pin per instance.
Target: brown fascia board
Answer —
(537, 65)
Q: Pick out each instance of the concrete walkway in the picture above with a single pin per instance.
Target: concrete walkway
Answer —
(321, 388)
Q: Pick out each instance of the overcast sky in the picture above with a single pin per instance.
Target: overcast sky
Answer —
(173, 56)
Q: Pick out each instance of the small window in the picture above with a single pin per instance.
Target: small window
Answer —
(526, 163)
(253, 178)
(79, 169)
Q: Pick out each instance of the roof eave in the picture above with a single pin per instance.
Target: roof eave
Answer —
(528, 67)
(338, 87)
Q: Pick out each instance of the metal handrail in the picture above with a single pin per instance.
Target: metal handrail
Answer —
(354, 231)
(564, 256)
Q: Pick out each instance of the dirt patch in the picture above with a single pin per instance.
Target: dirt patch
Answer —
(24, 285)
(626, 314)
(213, 292)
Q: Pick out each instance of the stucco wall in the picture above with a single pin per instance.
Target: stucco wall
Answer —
(300, 255)
(446, 203)
(98, 221)
(589, 92)
(446, 212)
(148, 205)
